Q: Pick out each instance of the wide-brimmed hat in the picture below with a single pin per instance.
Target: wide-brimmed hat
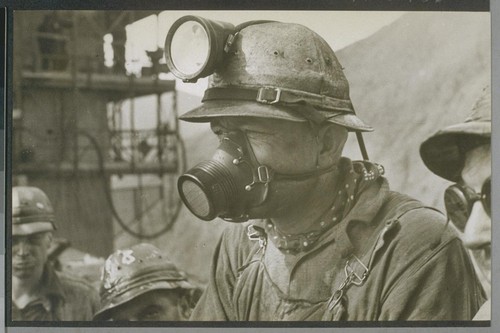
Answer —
(279, 71)
(444, 152)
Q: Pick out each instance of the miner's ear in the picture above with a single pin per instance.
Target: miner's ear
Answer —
(49, 238)
(331, 139)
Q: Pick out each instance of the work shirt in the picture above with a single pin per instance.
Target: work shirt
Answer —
(418, 269)
(62, 298)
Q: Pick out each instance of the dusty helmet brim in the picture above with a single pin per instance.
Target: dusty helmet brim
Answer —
(107, 309)
(441, 152)
(228, 108)
(24, 229)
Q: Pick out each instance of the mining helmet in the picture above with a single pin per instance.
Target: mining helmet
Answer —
(131, 272)
(263, 69)
(444, 152)
(32, 211)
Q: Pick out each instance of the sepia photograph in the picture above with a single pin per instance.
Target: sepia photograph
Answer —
(195, 167)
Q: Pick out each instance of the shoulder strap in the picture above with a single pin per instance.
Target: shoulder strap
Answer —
(390, 226)
(357, 270)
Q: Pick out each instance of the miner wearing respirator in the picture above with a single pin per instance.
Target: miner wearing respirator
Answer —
(326, 238)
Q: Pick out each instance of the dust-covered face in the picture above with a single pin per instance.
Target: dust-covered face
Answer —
(155, 305)
(29, 254)
(477, 232)
(288, 148)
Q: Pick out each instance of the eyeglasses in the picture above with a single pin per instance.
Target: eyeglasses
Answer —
(459, 199)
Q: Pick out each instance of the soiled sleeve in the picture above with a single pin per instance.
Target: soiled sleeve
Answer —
(434, 280)
(216, 302)
(81, 299)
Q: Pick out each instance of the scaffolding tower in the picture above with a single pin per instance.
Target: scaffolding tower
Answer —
(69, 136)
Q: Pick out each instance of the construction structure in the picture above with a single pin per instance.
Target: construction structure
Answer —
(74, 127)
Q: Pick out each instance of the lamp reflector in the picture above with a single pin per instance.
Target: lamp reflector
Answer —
(190, 48)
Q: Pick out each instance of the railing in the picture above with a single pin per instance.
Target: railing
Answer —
(144, 146)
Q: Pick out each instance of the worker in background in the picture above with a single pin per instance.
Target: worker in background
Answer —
(140, 283)
(461, 153)
(39, 293)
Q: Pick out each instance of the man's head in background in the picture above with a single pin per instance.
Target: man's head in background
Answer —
(461, 153)
(32, 227)
(140, 283)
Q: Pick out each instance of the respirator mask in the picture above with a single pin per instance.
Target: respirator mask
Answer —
(232, 182)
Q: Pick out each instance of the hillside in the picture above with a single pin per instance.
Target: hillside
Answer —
(411, 78)
(408, 80)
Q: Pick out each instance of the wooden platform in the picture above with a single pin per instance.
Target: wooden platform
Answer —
(123, 86)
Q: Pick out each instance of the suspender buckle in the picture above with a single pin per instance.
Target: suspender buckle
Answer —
(356, 270)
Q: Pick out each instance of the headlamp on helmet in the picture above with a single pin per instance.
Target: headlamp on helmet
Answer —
(195, 46)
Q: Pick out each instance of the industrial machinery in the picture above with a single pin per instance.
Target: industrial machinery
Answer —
(103, 142)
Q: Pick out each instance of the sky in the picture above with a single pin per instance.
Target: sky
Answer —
(338, 28)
